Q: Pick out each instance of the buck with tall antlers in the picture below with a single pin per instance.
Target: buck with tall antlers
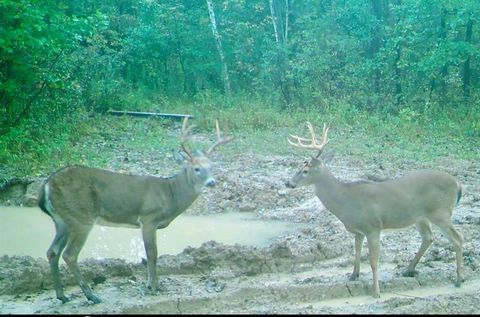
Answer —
(78, 197)
(367, 208)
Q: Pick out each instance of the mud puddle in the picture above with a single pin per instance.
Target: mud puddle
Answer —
(29, 232)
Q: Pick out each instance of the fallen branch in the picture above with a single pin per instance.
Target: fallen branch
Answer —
(148, 114)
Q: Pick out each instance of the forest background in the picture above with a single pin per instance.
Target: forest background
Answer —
(404, 73)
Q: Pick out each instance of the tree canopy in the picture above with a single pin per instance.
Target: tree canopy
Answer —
(377, 55)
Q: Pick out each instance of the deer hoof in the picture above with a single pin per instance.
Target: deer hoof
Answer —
(153, 290)
(94, 299)
(459, 282)
(353, 277)
(409, 273)
(63, 298)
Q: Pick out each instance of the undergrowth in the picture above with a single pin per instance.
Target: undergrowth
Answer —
(36, 148)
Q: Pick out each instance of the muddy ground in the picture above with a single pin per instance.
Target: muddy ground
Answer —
(302, 272)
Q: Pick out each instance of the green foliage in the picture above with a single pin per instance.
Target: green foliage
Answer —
(382, 58)
(399, 74)
(37, 38)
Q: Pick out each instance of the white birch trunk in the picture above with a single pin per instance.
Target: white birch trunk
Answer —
(286, 21)
(274, 22)
(218, 44)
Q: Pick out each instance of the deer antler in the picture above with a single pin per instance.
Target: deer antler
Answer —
(311, 144)
(185, 137)
(220, 139)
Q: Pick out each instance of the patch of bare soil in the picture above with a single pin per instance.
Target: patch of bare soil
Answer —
(302, 272)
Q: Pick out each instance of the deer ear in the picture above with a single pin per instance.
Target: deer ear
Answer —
(178, 157)
(327, 157)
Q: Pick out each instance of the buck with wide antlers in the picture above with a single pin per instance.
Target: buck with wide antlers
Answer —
(367, 208)
(76, 198)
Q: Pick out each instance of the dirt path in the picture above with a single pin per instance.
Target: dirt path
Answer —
(301, 272)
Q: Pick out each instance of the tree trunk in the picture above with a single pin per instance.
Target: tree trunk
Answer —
(392, 21)
(279, 74)
(398, 75)
(444, 70)
(218, 44)
(466, 66)
(286, 20)
(274, 22)
(166, 75)
(377, 9)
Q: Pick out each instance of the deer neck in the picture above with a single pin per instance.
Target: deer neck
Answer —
(330, 191)
(184, 190)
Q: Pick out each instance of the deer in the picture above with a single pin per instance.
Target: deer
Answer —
(78, 197)
(366, 208)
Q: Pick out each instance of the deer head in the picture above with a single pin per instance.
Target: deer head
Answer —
(317, 164)
(196, 162)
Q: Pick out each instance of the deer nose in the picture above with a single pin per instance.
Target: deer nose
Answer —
(210, 182)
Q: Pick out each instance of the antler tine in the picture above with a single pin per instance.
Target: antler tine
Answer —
(185, 137)
(312, 143)
(300, 141)
(324, 139)
(299, 138)
(218, 129)
(324, 134)
(312, 132)
(186, 130)
(220, 139)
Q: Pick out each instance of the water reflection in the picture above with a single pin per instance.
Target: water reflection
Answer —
(28, 231)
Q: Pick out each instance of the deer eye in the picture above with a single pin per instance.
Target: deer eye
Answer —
(197, 169)
(305, 171)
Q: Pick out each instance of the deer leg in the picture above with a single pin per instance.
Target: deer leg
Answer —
(53, 256)
(359, 237)
(427, 239)
(150, 243)
(457, 241)
(373, 240)
(75, 243)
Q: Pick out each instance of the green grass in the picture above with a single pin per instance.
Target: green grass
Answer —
(37, 150)
(263, 129)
